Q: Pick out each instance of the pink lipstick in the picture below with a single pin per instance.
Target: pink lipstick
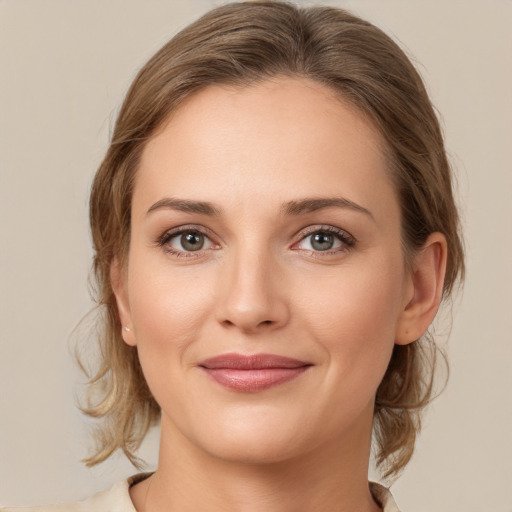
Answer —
(252, 373)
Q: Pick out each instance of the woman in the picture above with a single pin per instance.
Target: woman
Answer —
(274, 230)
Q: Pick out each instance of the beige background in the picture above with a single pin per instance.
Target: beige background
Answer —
(64, 66)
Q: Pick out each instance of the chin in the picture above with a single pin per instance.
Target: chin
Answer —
(260, 440)
(254, 449)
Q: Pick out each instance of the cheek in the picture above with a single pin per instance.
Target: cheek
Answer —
(353, 316)
(169, 310)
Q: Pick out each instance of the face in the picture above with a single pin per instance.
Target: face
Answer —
(265, 280)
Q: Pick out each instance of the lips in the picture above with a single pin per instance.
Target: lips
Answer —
(252, 373)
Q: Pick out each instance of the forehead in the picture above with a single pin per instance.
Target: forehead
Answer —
(277, 139)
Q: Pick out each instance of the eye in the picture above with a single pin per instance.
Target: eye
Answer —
(184, 241)
(191, 241)
(326, 239)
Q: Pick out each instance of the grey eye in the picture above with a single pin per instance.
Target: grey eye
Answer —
(322, 241)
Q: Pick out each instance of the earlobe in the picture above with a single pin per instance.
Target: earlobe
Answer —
(118, 282)
(426, 280)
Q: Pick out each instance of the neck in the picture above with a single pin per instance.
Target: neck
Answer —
(330, 478)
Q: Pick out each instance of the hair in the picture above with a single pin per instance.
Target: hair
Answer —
(241, 44)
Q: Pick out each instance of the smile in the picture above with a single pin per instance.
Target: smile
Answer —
(252, 373)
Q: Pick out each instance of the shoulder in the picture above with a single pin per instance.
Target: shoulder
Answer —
(116, 499)
(384, 497)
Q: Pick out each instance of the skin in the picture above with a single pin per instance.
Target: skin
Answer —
(258, 285)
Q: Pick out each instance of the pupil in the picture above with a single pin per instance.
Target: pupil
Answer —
(192, 241)
(322, 241)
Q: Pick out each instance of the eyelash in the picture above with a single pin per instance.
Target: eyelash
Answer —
(164, 240)
(345, 238)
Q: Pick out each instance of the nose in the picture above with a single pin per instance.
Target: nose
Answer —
(252, 294)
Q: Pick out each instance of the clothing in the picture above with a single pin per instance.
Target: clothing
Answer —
(117, 499)
(384, 497)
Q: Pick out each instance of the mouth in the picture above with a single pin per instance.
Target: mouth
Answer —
(252, 373)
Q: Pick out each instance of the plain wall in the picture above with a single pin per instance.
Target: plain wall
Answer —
(64, 67)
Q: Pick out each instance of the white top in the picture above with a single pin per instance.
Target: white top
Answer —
(117, 499)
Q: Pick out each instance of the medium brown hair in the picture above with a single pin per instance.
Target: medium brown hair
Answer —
(240, 44)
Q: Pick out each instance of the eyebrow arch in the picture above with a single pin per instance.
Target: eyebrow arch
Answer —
(185, 205)
(312, 204)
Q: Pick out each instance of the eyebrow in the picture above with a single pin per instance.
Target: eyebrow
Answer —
(184, 205)
(313, 204)
(295, 207)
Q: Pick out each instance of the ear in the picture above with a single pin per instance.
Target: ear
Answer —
(119, 287)
(424, 290)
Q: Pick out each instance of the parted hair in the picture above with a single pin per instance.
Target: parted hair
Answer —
(240, 44)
